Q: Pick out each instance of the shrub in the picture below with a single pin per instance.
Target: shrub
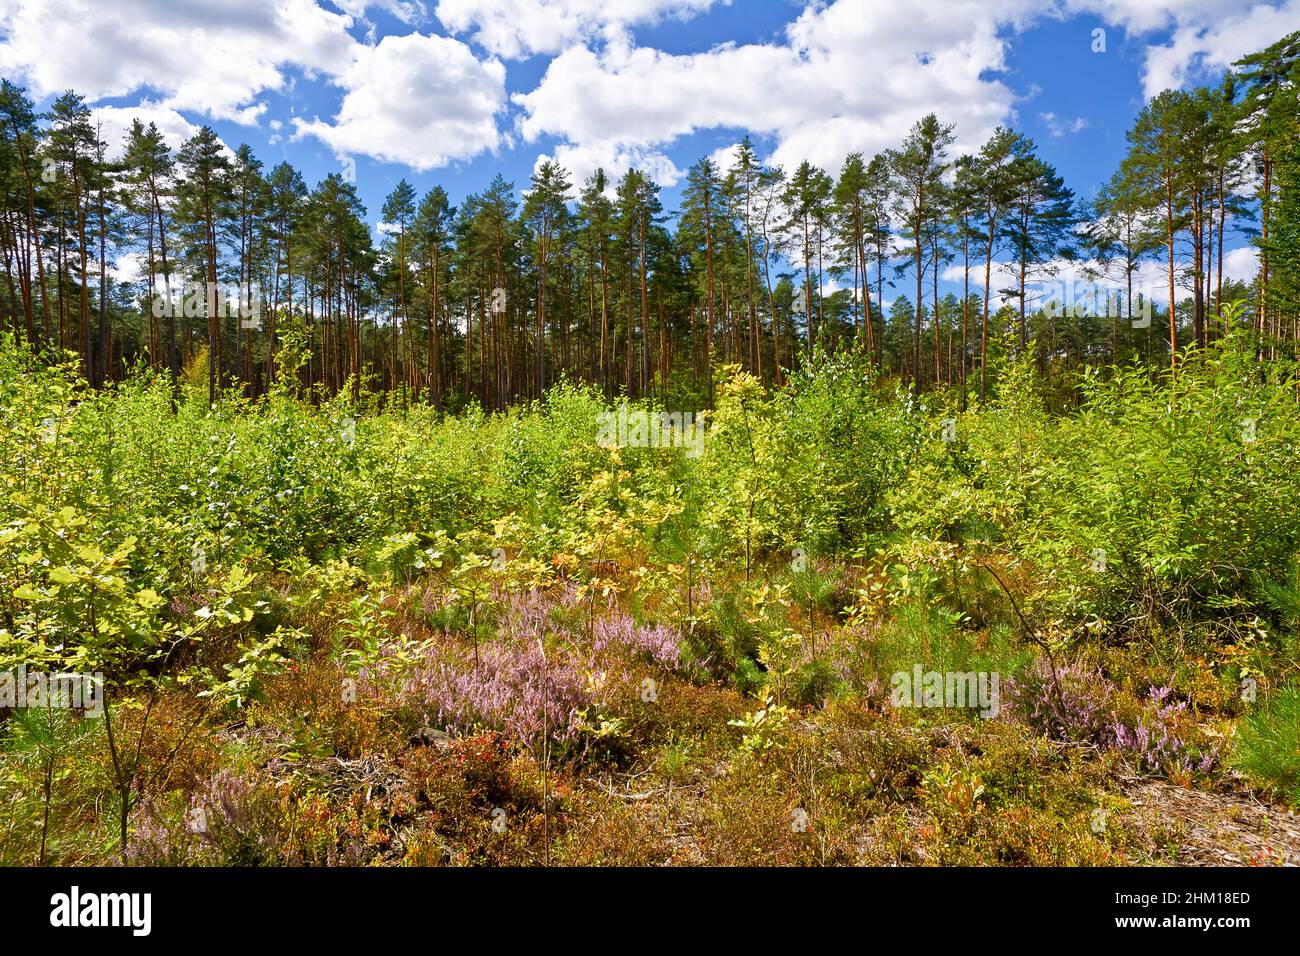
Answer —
(1268, 744)
(1079, 705)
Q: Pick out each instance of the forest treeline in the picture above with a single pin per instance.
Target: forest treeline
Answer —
(498, 298)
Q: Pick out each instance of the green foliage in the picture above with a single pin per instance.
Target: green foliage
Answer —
(1268, 744)
(307, 571)
(1157, 502)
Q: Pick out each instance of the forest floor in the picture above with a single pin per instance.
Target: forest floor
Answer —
(1223, 827)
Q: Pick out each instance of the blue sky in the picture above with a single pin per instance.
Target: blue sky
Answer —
(454, 91)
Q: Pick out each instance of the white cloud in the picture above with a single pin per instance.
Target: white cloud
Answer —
(1207, 35)
(854, 74)
(725, 157)
(517, 28)
(808, 90)
(615, 160)
(407, 12)
(1071, 280)
(1241, 264)
(1058, 126)
(419, 100)
(127, 268)
(844, 75)
(116, 121)
(1202, 47)
(1143, 16)
(213, 59)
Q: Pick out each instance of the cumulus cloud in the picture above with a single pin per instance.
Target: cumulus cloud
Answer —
(725, 157)
(847, 76)
(1069, 280)
(115, 121)
(1198, 48)
(215, 59)
(1206, 35)
(127, 268)
(518, 28)
(419, 100)
(843, 75)
(615, 159)
(407, 12)
(1143, 16)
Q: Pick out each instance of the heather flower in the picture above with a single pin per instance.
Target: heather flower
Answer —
(524, 616)
(512, 689)
(515, 690)
(658, 642)
(1080, 705)
(1072, 703)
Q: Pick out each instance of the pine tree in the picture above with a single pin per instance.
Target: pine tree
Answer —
(205, 197)
(398, 211)
(918, 168)
(545, 213)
